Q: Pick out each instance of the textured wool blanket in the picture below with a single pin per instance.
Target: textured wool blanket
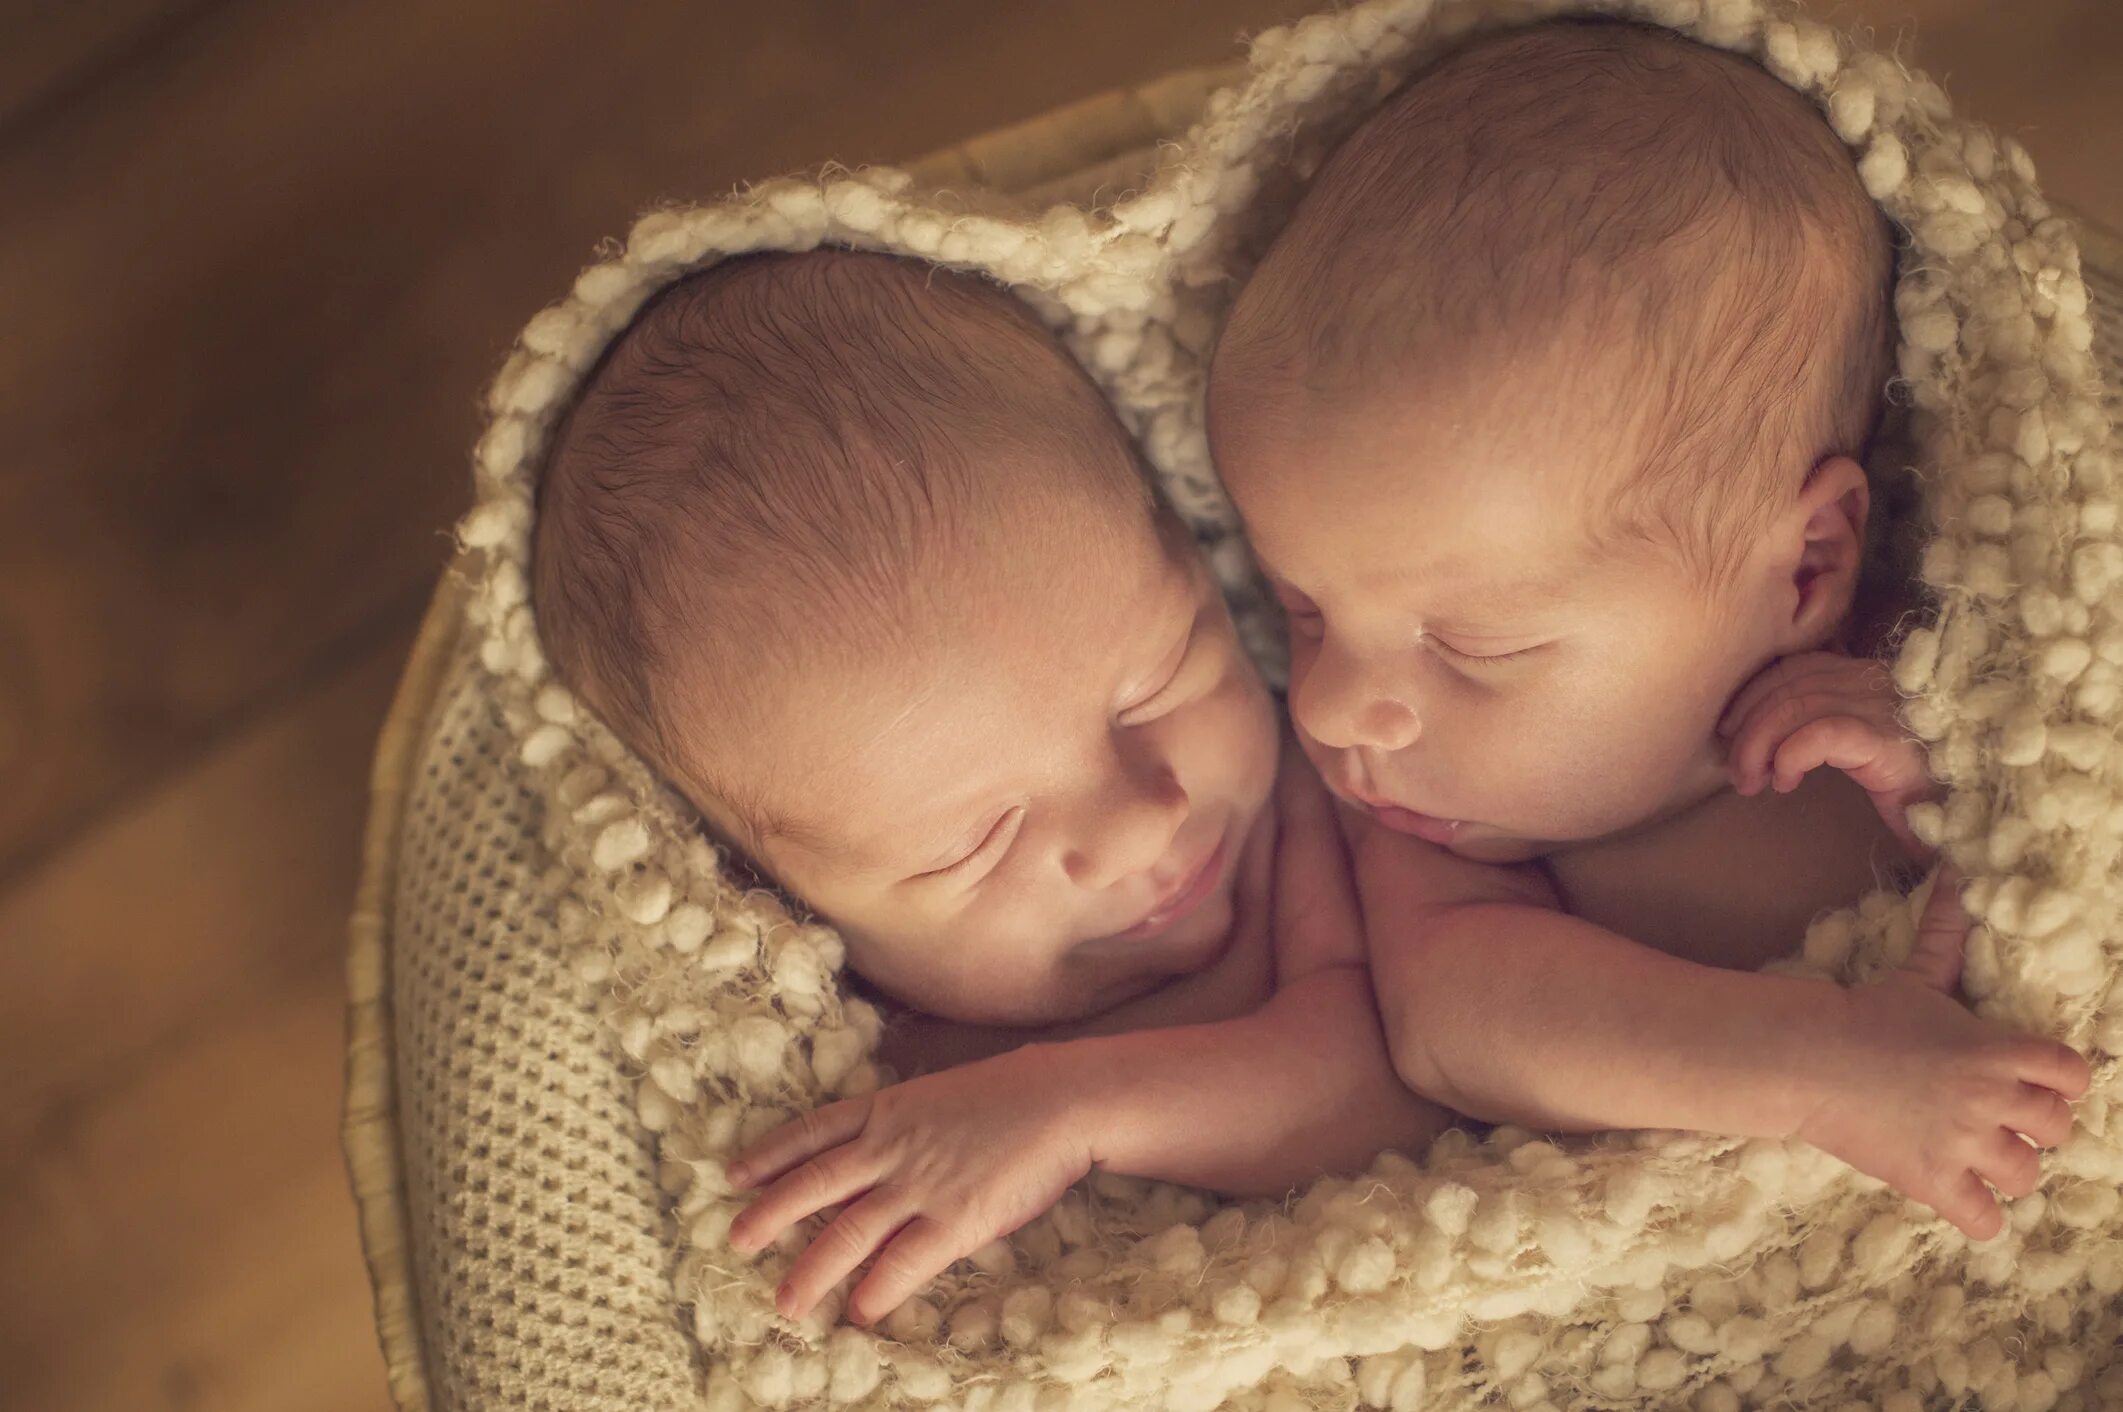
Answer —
(1656, 1269)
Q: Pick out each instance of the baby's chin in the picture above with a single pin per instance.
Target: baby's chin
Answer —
(1191, 944)
(1497, 848)
(1203, 939)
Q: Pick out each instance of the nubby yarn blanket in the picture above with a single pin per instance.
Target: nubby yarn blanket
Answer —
(1653, 1269)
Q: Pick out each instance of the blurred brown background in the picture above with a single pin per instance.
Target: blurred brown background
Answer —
(256, 262)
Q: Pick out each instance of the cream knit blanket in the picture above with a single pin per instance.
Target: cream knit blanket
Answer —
(1657, 1269)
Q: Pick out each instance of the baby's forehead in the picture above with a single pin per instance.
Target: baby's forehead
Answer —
(1478, 427)
(1000, 667)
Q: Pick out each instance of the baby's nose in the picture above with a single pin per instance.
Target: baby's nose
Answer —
(1343, 716)
(1385, 725)
(1128, 832)
(1340, 701)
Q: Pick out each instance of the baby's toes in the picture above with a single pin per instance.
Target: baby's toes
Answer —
(2010, 1165)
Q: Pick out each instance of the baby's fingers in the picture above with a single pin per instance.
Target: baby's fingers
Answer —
(1851, 745)
(1970, 1208)
(819, 1183)
(2041, 1114)
(1763, 736)
(2055, 1066)
(1780, 676)
(2009, 1164)
(796, 1140)
(852, 1237)
(1942, 934)
(923, 1249)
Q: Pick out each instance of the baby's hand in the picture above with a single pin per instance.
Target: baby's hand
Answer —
(933, 1169)
(1934, 1101)
(1823, 708)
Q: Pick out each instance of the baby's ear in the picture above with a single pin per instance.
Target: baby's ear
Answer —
(1830, 515)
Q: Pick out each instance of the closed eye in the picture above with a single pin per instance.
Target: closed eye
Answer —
(993, 844)
(1489, 659)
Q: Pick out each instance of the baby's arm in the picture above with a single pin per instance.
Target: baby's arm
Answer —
(1512, 1012)
(937, 1167)
(1502, 1006)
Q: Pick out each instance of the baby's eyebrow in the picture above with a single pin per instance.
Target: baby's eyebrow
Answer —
(886, 854)
(819, 843)
(1542, 591)
(1481, 601)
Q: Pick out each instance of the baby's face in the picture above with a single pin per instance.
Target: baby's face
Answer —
(1463, 661)
(1028, 805)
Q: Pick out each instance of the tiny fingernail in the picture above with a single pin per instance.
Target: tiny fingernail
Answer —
(737, 1174)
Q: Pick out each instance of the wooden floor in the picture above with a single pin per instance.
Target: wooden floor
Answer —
(256, 261)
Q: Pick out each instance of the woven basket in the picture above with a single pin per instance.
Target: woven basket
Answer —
(1099, 145)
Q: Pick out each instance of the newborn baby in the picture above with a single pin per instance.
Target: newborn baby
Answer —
(1543, 413)
(855, 554)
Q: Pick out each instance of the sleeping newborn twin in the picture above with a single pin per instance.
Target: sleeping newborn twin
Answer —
(1543, 416)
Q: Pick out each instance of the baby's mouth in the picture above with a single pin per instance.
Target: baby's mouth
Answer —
(1182, 898)
(1427, 827)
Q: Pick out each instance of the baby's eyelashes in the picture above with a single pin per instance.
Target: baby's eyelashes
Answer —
(1483, 658)
(992, 844)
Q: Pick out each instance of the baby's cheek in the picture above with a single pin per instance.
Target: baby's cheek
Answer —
(1256, 741)
(1614, 779)
(1538, 772)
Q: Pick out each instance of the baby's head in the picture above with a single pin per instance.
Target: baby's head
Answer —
(854, 553)
(1543, 413)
